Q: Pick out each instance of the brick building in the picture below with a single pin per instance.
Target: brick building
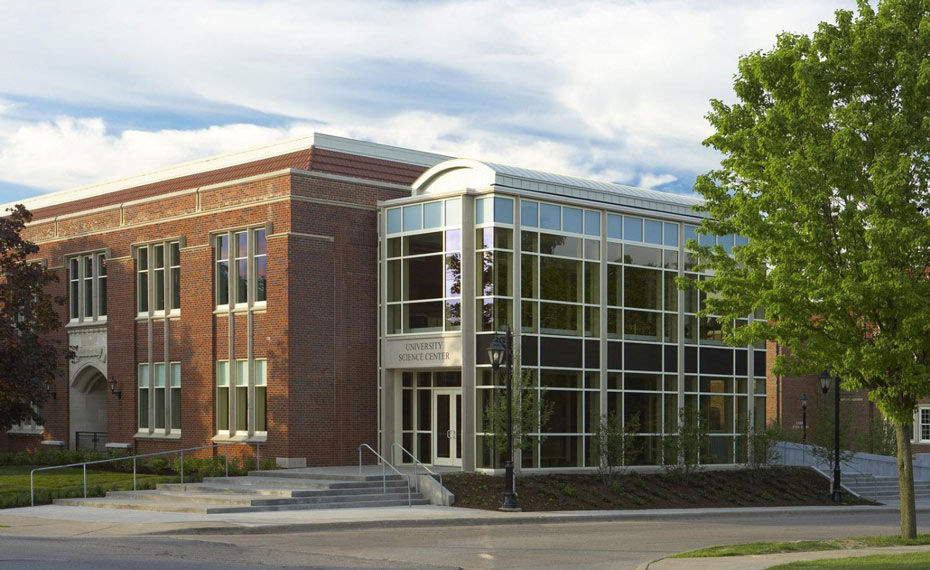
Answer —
(233, 298)
(324, 292)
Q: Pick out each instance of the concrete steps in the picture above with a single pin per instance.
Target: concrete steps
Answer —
(277, 490)
(883, 489)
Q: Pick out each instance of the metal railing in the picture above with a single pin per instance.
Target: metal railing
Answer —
(416, 477)
(134, 458)
(95, 439)
(383, 472)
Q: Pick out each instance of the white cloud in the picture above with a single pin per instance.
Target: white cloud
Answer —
(606, 89)
(649, 180)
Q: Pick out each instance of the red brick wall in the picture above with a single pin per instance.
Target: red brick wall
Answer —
(318, 332)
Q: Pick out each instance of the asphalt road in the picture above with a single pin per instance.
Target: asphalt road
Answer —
(621, 544)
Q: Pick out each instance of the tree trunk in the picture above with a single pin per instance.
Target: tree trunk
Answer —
(906, 482)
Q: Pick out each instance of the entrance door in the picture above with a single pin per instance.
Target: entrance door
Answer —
(447, 419)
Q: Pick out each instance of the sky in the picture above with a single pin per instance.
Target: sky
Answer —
(614, 91)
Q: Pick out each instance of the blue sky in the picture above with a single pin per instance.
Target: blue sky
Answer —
(614, 91)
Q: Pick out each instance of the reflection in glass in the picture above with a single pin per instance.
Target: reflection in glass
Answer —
(560, 279)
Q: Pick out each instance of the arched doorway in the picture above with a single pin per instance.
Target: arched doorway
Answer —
(88, 409)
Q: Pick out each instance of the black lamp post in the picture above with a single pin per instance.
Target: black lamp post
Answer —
(502, 352)
(825, 380)
(804, 417)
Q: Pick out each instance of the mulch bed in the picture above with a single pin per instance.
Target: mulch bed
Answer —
(775, 486)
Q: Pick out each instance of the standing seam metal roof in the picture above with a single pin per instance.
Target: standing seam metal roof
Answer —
(570, 186)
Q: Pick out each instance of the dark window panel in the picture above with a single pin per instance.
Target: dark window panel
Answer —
(690, 360)
(614, 355)
(642, 356)
(759, 363)
(482, 342)
(528, 350)
(742, 364)
(716, 361)
(560, 352)
(671, 359)
(592, 354)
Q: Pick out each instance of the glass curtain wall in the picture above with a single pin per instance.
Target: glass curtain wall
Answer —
(424, 268)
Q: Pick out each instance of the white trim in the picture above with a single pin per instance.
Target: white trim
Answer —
(216, 162)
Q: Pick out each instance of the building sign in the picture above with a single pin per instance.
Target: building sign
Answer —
(435, 352)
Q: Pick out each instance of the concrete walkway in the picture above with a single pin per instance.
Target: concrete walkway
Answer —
(58, 520)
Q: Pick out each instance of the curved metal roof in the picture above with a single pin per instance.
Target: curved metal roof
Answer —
(459, 174)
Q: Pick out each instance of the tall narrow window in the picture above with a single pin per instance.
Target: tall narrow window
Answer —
(74, 283)
(222, 395)
(242, 268)
(261, 395)
(143, 396)
(242, 395)
(222, 270)
(260, 268)
(174, 277)
(175, 396)
(102, 284)
(142, 271)
(158, 276)
(160, 395)
(87, 287)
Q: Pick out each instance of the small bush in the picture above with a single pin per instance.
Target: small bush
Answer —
(158, 465)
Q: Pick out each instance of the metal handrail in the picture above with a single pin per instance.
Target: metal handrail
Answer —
(32, 500)
(416, 462)
(383, 473)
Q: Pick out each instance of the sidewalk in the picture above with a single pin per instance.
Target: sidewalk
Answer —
(768, 560)
(65, 521)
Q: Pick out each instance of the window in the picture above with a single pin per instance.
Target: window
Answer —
(424, 267)
(29, 427)
(245, 253)
(158, 278)
(923, 424)
(87, 287)
(160, 398)
(243, 410)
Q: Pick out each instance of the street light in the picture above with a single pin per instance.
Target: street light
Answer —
(804, 417)
(825, 380)
(502, 353)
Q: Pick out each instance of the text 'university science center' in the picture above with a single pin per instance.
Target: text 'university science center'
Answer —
(322, 293)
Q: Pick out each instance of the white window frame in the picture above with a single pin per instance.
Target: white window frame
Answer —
(921, 413)
(146, 376)
(79, 281)
(229, 377)
(168, 278)
(28, 427)
(253, 255)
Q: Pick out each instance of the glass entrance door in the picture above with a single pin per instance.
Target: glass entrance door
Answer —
(447, 419)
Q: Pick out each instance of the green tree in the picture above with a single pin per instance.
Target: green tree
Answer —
(530, 410)
(825, 168)
(615, 445)
(684, 451)
(28, 359)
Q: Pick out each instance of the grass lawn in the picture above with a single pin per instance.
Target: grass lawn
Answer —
(65, 482)
(877, 562)
(803, 546)
(751, 548)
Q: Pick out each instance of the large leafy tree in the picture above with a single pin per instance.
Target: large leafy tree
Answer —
(29, 359)
(826, 169)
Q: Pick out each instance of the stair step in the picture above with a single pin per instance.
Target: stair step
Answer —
(202, 509)
(315, 475)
